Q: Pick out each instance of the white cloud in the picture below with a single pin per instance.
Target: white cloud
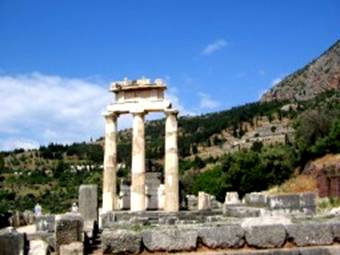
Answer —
(206, 102)
(213, 47)
(38, 109)
(19, 143)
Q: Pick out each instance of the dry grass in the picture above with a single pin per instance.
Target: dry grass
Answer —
(297, 184)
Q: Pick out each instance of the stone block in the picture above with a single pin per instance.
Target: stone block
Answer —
(107, 219)
(88, 202)
(214, 203)
(161, 196)
(319, 250)
(11, 242)
(170, 239)
(45, 223)
(124, 197)
(310, 234)
(256, 199)
(29, 217)
(48, 238)
(265, 220)
(152, 183)
(308, 202)
(192, 202)
(121, 241)
(204, 201)
(38, 247)
(76, 248)
(265, 236)
(336, 231)
(168, 220)
(286, 201)
(142, 220)
(69, 229)
(299, 202)
(232, 198)
(214, 218)
(240, 211)
(227, 236)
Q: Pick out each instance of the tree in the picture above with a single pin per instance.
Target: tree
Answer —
(257, 146)
(60, 168)
(212, 181)
(331, 142)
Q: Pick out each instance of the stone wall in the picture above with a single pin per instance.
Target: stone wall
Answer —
(288, 203)
(225, 236)
(11, 242)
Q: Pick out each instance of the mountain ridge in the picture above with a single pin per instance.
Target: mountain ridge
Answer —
(320, 75)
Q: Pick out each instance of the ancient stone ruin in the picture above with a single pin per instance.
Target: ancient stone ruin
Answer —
(257, 224)
(139, 97)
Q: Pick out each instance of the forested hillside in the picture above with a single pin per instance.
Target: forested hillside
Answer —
(246, 148)
(51, 175)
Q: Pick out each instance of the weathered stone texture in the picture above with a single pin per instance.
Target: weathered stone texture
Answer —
(75, 248)
(69, 229)
(304, 202)
(38, 247)
(204, 202)
(287, 201)
(45, 223)
(232, 198)
(170, 240)
(11, 242)
(336, 231)
(310, 234)
(192, 202)
(171, 163)
(110, 164)
(227, 236)
(266, 236)
(240, 211)
(138, 164)
(121, 241)
(88, 202)
(256, 199)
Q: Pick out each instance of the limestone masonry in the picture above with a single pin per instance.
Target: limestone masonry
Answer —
(139, 97)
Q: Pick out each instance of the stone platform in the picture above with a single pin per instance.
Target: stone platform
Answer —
(159, 217)
(233, 236)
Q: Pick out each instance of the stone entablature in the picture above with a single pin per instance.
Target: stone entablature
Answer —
(139, 97)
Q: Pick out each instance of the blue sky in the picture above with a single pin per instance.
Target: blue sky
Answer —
(57, 58)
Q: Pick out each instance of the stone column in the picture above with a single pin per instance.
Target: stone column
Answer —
(138, 164)
(110, 164)
(171, 163)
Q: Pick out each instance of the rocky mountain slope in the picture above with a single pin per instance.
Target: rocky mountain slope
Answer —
(320, 75)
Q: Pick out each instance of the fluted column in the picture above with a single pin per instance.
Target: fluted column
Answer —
(110, 164)
(171, 163)
(138, 163)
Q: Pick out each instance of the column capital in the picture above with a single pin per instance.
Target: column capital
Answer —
(138, 112)
(171, 112)
(110, 115)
